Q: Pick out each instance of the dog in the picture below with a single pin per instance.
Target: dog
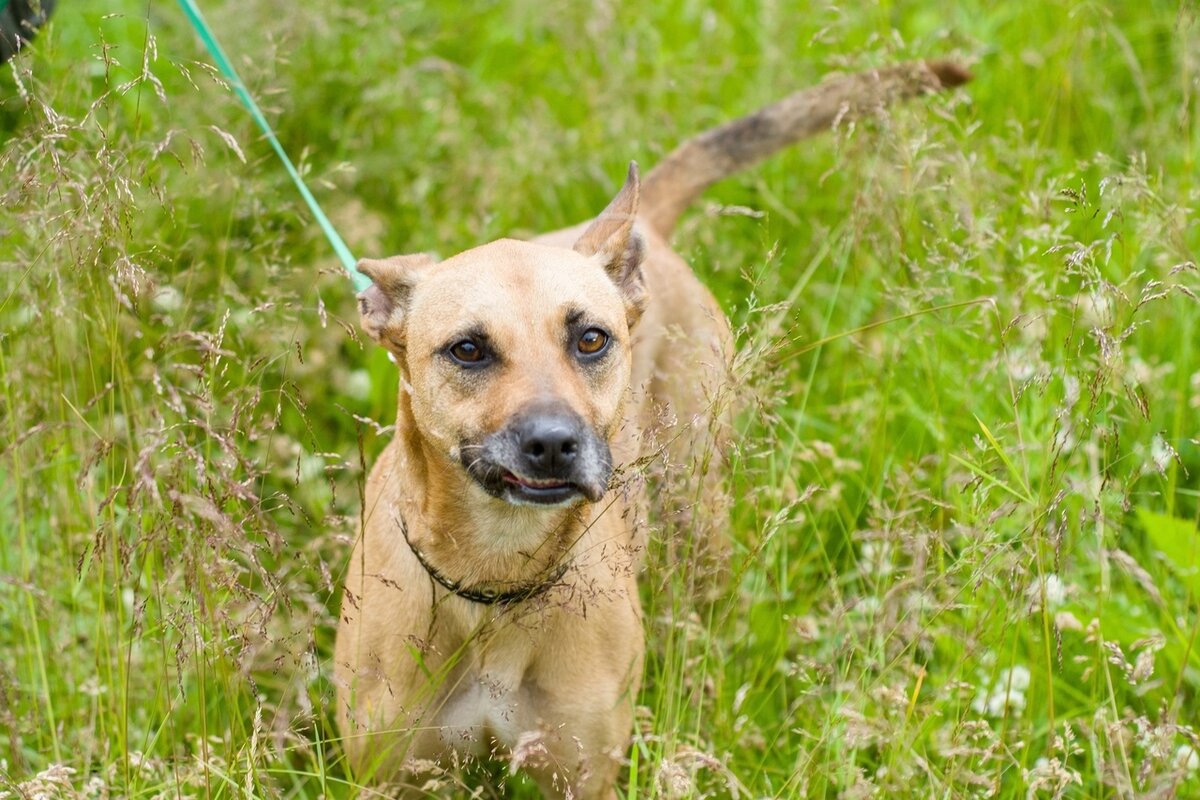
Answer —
(491, 606)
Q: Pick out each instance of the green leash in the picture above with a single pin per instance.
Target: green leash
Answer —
(194, 16)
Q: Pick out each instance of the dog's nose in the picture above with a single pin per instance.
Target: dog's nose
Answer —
(549, 444)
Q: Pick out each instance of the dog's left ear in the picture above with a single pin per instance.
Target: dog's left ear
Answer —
(612, 240)
(384, 304)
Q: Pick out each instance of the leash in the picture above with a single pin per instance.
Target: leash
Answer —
(192, 11)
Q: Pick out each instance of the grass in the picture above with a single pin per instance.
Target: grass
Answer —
(967, 487)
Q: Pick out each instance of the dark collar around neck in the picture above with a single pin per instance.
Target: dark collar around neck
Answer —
(488, 597)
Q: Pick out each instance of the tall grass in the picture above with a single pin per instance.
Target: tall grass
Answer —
(966, 529)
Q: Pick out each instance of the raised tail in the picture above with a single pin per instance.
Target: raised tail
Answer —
(700, 162)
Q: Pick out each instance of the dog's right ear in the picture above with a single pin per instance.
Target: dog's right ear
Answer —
(384, 304)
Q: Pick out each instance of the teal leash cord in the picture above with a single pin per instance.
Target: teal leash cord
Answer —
(194, 16)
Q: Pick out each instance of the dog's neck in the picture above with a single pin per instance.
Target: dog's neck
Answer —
(469, 537)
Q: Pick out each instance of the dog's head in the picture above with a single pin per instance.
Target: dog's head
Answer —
(517, 355)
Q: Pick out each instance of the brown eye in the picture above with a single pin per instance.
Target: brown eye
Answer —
(592, 342)
(466, 352)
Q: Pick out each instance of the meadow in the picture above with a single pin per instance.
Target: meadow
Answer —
(967, 470)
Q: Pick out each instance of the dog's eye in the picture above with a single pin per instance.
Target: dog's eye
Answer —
(592, 342)
(466, 352)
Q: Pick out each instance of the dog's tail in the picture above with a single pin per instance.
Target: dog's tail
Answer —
(700, 162)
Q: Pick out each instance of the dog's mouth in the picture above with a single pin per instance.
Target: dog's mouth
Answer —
(533, 483)
(547, 491)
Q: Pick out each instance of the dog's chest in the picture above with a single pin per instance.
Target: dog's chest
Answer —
(489, 700)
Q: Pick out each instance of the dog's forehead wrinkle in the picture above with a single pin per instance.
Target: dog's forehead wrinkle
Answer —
(471, 328)
(510, 266)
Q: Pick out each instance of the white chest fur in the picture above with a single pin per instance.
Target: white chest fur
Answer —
(480, 712)
(488, 701)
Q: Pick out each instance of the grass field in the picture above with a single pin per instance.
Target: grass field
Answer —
(968, 468)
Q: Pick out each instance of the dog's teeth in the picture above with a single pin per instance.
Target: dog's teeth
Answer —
(541, 483)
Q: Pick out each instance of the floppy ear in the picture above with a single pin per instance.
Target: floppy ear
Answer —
(384, 304)
(612, 240)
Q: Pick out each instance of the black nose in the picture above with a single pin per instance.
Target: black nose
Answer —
(548, 444)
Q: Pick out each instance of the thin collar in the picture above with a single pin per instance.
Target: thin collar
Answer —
(486, 596)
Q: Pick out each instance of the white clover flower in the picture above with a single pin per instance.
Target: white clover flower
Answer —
(1161, 453)
(167, 299)
(1006, 696)
(1071, 390)
(1017, 677)
(92, 687)
(311, 467)
(358, 384)
(1096, 310)
(1187, 759)
(96, 787)
(877, 557)
(1056, 590)
(1049, 587)
(1020, 364)
(1066, 621)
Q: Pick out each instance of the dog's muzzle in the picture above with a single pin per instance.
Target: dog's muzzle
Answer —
(546, 455)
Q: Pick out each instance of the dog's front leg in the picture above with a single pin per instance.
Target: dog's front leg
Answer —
(580, 762)
(576, 710)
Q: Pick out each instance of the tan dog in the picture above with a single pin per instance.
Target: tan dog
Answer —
(491, 606)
